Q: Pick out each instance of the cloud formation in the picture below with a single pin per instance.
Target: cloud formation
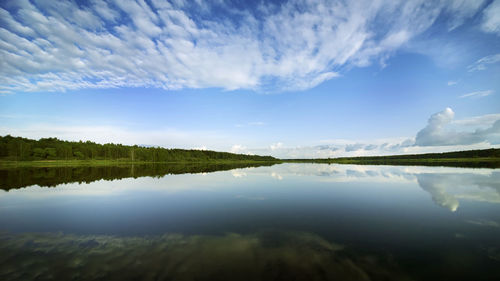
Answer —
(442, 133)
(353, 147)
(478, 121)
(436, 132)
(62, 45)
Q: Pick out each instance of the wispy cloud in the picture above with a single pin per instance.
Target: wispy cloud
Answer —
(477, 94)
(62, 45)
(491, 18)
(478, 121)
(482, 63)
(452, 83)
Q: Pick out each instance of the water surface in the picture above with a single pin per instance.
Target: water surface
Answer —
(281, 222)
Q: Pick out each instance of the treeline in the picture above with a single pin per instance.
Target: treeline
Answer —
(478, 153)
(483, 158)
(23, 149)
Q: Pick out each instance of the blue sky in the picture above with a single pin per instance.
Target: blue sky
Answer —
(285, 78)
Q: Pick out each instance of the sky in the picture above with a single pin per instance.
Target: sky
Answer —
(292, 79)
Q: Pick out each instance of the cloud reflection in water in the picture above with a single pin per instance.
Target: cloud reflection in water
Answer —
(269, 255)
(445, 185)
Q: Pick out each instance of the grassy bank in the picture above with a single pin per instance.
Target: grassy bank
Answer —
(77, 163)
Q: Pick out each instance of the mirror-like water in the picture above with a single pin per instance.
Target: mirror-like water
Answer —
(281, 222)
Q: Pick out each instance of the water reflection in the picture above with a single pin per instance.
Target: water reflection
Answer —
(11, 178)
(267, 255)
(392, 222)
(436, 186)
(445, 185)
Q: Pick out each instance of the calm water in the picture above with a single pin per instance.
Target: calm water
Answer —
(281, 222)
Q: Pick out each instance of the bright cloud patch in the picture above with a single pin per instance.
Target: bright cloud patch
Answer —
(442, 133)
(491, 18)
(61, 45)
(436, 132)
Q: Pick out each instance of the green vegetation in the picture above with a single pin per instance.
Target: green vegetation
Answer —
(15, 149)
(485, 158)
(52, 152)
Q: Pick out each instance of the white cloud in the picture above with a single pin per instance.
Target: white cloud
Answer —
(354, 147)
(430, 134)
(203, 147)
(276, 146)
(436, 132)
(238, 148)
(58, 46)
(441, 134)
(370, 147)
(491, 18)
(451, 83)
(481, 64)
(477, 94)
(282, 151)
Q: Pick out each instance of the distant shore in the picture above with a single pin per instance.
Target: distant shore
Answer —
(479, 162)
(483, 158)
(52, 152)
(451, 162)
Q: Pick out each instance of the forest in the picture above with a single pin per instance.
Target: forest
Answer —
(23, 149)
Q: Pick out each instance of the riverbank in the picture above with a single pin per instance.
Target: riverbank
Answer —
(483, 162)
(76, 163)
